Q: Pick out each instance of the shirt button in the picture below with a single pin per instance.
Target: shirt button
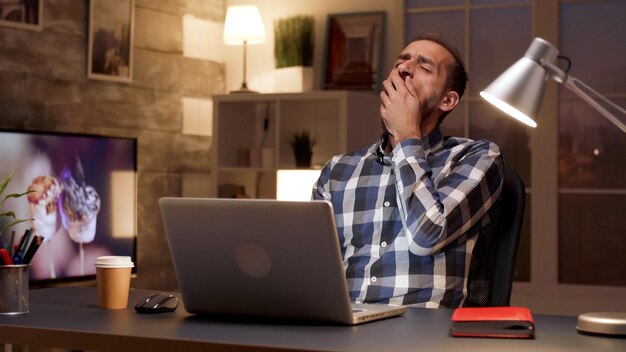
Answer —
(373, 279)
(387, 204)
(384, 244)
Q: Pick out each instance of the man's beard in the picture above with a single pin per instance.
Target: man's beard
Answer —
(430, 107)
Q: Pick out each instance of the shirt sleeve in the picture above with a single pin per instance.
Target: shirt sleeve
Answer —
(321, 190)
(436, 212)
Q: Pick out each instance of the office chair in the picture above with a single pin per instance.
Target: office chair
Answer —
(491, 270)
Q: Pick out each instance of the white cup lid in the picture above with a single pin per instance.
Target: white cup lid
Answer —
(113, 261)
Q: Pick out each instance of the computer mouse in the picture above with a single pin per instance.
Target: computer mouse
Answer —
(157, 303)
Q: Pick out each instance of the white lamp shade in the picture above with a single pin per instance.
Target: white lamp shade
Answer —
(243, 23)
(295, 184)
(519, 90)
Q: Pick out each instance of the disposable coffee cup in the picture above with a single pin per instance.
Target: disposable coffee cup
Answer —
(113, 281)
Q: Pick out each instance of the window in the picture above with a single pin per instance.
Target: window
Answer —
(579, 199)
(476, 29)
(592, 151)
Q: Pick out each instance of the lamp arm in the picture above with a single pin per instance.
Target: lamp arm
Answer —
(587, 94)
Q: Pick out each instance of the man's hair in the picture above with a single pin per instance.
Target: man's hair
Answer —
(456, 79)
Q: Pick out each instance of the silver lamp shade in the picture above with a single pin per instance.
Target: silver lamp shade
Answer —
(519, 90)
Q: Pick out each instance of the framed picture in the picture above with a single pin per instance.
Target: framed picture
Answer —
(353, 57)
(25, 14)
(110, 53)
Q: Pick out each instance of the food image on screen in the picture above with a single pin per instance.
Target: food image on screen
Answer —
(43, 204)
(82, 200)
(81, 204)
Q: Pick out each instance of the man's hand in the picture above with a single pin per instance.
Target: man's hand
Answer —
(400, 107)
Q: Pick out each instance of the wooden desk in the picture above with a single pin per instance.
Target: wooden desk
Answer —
(68, 317)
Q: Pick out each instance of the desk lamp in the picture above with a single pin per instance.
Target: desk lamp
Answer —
(518, 92)
(243, 26)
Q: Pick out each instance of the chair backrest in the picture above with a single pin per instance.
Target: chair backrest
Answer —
(491, 271)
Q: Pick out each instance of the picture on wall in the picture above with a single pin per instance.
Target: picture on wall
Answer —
(110, 54)
(354, 47)
(25, 14)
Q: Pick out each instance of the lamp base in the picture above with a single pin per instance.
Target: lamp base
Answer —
(243, 90)
(606, 323)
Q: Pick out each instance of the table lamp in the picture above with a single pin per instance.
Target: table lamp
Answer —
(519, 90)
(294, 184)
(243, 26)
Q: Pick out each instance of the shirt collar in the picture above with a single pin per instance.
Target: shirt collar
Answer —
(383, 158)
(428, 142)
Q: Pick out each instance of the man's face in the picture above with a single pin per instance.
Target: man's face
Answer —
(426, 63)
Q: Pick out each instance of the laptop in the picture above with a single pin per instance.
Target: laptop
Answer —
(260, 257)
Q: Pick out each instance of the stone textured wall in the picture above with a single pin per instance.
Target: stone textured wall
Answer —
(43, 87)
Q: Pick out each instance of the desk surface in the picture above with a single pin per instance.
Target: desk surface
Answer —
(69, 317)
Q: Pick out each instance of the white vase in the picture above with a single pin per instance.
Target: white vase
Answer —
(293, 79)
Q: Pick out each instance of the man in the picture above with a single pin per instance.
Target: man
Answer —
(410, 207)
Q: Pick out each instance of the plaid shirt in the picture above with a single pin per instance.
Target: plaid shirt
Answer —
(408, 221)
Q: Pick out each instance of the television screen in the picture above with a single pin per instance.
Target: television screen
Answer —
(83, 203)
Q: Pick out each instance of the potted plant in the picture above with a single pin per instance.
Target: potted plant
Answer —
(302, 144)
(293, 51)
(9, 214)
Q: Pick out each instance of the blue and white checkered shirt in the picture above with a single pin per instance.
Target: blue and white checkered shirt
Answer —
(408, 221)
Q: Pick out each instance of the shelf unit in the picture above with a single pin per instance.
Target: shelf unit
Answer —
(251, 134)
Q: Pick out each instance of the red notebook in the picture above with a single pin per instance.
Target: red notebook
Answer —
(509, 322)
